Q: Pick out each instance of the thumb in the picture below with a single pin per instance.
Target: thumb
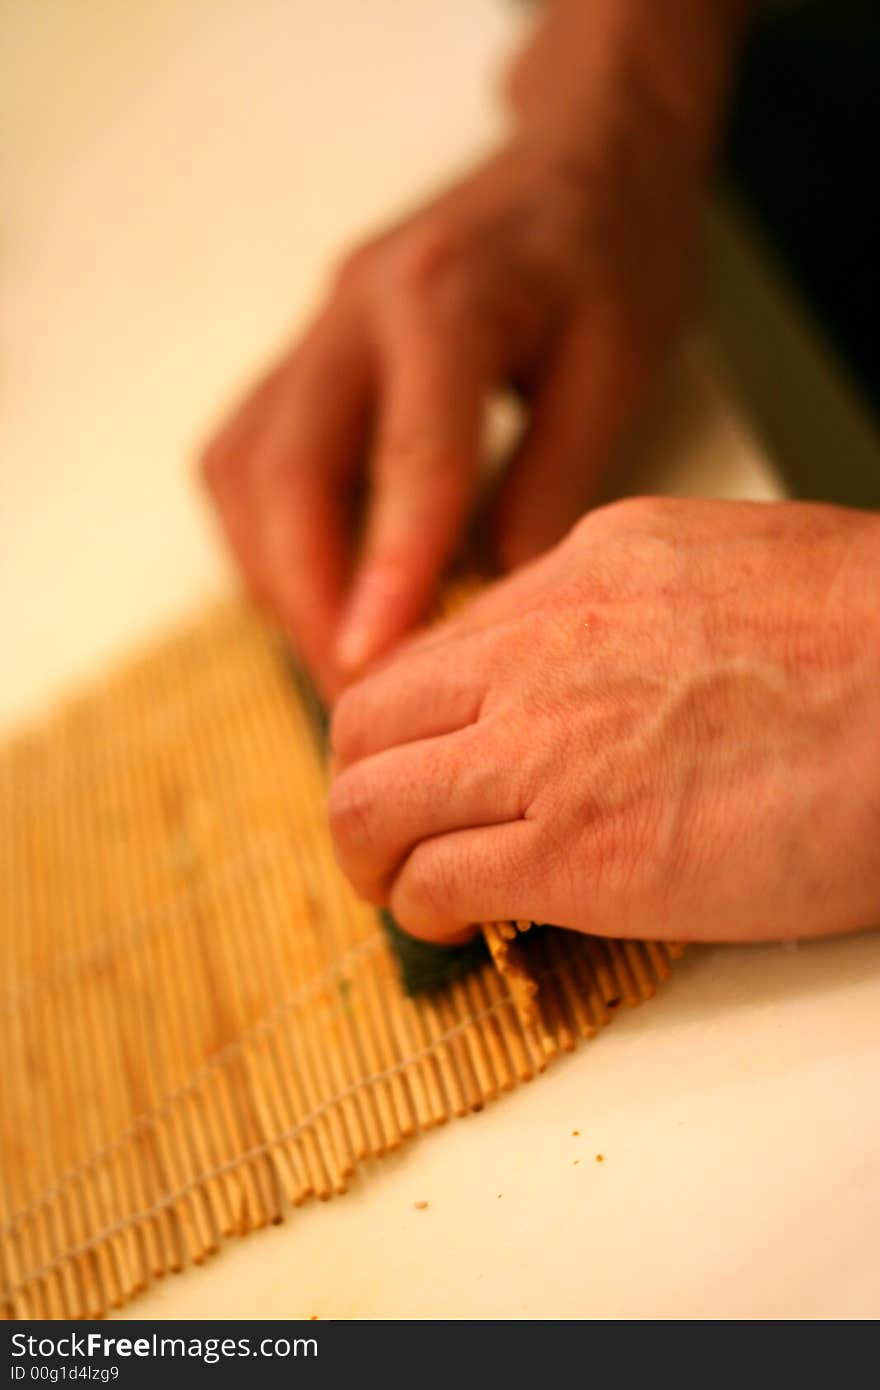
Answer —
(422, 480)
(584, 399)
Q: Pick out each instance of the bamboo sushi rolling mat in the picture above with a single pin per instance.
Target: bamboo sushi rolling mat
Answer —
(202, 1027)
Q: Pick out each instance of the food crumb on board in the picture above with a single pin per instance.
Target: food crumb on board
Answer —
(499, 1194)
(600, 1158)
(420, 1206)
(575, 1133)
(574, 1161)
(313, 1317)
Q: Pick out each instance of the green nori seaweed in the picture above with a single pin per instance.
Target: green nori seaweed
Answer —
(423, 965)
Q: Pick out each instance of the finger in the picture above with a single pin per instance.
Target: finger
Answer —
(422, 480)
(231, 494)
(488, 608)
(226, 467)
(305, 539)
(586, 397)
(305, 474)
(486, 874)
(415, 696)
(384, 806)
(229, 442)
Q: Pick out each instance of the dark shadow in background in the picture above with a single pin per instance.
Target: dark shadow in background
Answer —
(803, 154)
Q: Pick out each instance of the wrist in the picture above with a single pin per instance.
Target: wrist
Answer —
(597, 76)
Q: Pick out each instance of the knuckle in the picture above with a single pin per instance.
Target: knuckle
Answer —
(311, 365)
(431, 260)
(352, 808)
(279, 470)
(616, 520)
(414, 260)
(639, 512)
(210, 466)
(356, 266)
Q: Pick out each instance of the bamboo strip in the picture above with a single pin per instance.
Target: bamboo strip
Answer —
(307, 797)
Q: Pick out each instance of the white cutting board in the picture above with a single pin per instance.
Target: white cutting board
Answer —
(180, 178)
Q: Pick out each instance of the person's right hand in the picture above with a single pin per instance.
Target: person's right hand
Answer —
(559, 268)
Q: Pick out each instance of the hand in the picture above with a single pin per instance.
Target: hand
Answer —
(667, 727)
(560, 268)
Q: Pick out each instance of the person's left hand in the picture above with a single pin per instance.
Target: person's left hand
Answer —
(668, 727)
